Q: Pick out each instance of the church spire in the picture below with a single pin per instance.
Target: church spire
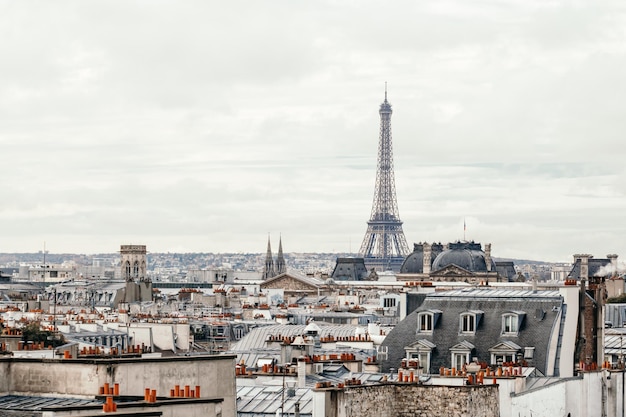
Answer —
(281, 268)
(268, 268)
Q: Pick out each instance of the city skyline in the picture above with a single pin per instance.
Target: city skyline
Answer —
(202, 127)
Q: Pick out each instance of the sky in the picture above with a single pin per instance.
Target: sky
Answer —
(206, 126)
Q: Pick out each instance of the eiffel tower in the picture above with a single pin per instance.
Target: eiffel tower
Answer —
(384, 246)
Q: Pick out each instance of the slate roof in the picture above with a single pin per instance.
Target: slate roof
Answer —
(350, 269)
(266, 401)
(33, 403)
(253, 345)
(615, 342)
(615, 314)
(541, 308)
(596, 268)
(466, 255)
(414, 263)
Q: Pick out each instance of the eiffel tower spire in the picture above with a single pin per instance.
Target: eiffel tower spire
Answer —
(268, 268)
(384, 245)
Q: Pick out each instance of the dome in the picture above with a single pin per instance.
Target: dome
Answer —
(467, 255)
(414, 263)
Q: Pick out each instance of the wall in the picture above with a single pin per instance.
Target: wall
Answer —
(400, 400)
(81, 377)
(593, 394)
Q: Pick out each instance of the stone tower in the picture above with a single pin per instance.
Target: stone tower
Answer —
(134, 262)
(281, 267)
(268, 268)
(134, 272)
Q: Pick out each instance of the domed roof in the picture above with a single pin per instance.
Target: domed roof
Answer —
(467, 255)
(414, 263)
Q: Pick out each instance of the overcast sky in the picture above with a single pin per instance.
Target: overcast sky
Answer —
(204, 126)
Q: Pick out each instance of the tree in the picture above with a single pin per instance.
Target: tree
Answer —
(32, 332)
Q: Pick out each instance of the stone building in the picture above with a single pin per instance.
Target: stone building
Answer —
(451, 328)
(350, 269)
(294, 284)
(74, 387)
(457, 262)
(271, 269)
(134, 273)
(590, 275)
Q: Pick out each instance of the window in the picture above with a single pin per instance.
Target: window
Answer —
(468, 323)
(425, 322)
(509, 323)
(424, 361)
(502, 358)
(461, 353)
(504, 352)
(512, 322)
(422, 351)
(459, 359)
(389, 302)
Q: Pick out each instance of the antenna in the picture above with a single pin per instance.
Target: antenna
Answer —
(385, 90)
(43, 279)
(464, 228)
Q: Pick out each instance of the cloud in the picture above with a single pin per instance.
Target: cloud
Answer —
(205, 126)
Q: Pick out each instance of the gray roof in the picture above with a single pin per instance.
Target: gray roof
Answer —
(253, 345)
(541, 310)
(265, 401)
(596, 268)
(616, 314)
(350, 269)
(615, 342)
(32, 403)
(414, 263)
(467, 255)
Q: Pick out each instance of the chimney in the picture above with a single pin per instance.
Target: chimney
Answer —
(301, 373)
(427, 258)
(584, 269)
(488, 256)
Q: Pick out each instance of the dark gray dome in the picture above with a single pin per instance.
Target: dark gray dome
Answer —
(467, 255)
(414, 263)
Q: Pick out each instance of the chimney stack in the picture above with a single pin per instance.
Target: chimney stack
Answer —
(301, 373)
(584, 269)
(427, 258)
(488, 256)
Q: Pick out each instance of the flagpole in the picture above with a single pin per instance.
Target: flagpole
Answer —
(464, 228)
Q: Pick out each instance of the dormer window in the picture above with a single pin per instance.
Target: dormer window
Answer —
(469, 321)
(422, 351)
(427, 320)
(504, 352)
(511, 322)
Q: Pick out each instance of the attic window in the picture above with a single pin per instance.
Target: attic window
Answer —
(469, 321)
(512, 322)
(427, 320)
